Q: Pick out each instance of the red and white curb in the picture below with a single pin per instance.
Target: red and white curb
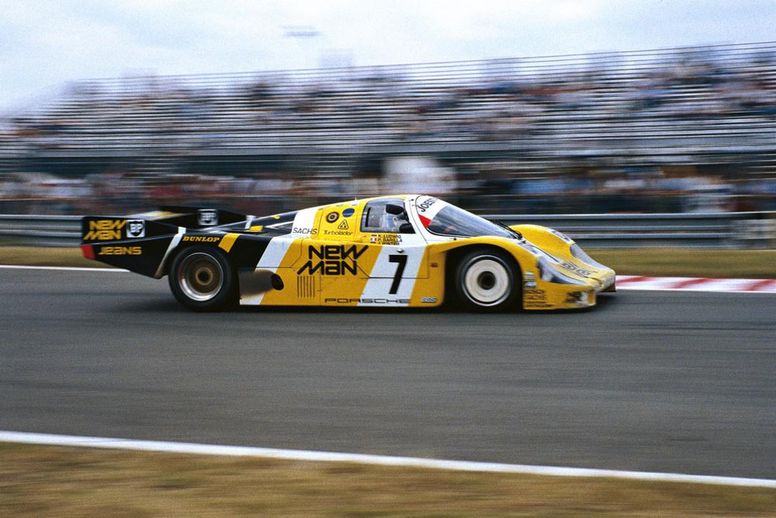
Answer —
(379, 460)
(638, 282)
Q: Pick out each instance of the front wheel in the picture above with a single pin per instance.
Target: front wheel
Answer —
(485, 280)
(202, 279)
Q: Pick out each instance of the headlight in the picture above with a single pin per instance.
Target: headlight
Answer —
(548, 273)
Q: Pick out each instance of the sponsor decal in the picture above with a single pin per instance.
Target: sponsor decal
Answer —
(202, 239)
(332, 260)
(529, 280)
(135, 228)
(428, 300)
(336, 300)
(331, 217)
(105, 230)
(537, 305)
(304, 230)
(426, 204)
(534, 295)
(207, 217)
(344, 225)
(348, 212)
(576, 269)
(120, 250)
(336, 233)
(385, 239)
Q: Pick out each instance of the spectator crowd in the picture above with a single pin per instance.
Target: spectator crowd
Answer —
(673, 130)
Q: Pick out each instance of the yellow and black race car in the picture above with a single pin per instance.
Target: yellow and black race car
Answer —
(404, 250)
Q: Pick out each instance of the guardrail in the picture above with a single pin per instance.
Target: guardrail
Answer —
(709, 230)
(24, 229)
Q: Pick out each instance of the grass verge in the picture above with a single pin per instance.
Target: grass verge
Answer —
(43, 256)
(680, 262)
(684, 262)
(60, 481)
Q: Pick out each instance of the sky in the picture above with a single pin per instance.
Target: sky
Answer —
(45, 44)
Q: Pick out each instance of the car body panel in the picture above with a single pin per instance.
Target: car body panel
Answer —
(386, 251)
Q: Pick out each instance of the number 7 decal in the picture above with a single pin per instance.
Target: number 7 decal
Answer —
(401, 262)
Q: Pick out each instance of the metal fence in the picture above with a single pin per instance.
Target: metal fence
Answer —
(25, 229)
(707, 230)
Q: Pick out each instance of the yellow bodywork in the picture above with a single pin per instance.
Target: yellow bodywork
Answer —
(329, 259)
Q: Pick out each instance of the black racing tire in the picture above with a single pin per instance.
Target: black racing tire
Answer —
(202, 279)
(487, 280)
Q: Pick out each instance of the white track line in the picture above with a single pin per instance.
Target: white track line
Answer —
(62, 268)
(382, 460)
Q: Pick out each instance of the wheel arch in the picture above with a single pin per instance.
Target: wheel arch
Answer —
(181, 248)
(455, 255)
(230, 293)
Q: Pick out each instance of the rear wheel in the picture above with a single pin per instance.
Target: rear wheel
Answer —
(202, 279)
(485, 280)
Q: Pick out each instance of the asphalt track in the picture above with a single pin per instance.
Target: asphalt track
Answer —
(648, 381)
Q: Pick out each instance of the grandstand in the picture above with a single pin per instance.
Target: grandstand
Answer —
(590, 132)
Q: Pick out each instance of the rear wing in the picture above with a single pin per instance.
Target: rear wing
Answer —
(163, 222)
(95, 229)
(197, 218)
(143, 242)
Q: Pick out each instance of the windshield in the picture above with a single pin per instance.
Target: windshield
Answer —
(453, 221)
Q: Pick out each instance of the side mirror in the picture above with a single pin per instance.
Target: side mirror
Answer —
(392, 208)
(406, 228)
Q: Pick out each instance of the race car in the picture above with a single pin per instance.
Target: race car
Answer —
(395, 251)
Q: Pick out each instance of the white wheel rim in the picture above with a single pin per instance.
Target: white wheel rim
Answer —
(487, 281)
(200, 277)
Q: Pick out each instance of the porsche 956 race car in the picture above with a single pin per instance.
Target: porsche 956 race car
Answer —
(406, 250)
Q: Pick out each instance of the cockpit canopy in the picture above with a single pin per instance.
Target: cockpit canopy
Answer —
(386, 215)
(443, 219)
